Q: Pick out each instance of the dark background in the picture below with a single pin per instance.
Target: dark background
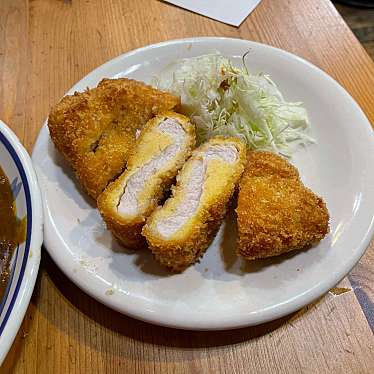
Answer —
(361, 22)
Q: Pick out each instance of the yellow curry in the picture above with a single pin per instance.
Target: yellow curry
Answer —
(11, 229)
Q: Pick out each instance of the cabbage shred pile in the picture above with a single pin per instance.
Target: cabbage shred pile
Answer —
(225, 100)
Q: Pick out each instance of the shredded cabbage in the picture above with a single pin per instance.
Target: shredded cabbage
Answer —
(225, 100)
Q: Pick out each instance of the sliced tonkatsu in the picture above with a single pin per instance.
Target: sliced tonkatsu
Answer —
(276, 212)
(179, 232)
(95, 130)
(161, 149)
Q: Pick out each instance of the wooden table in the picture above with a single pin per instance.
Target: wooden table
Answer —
(48, 45)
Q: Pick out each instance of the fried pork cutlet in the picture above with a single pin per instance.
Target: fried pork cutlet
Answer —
(95, 129)
(276, 212)
(179, 232)
(163, 146)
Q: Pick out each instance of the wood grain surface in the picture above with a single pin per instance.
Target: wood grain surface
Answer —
(48, 45)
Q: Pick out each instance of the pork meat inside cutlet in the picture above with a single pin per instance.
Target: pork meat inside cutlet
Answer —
(179, 232)
(163, 146)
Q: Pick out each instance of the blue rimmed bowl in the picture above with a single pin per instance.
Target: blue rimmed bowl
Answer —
(24, 265)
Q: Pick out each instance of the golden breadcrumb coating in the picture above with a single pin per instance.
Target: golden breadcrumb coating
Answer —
(188, 242)
(95, 129)
(150, 144)
(276, 212)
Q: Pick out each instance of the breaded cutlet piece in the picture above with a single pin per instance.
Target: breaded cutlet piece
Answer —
(179, 232)
(163, 146)
(276, 212)
(95, 129)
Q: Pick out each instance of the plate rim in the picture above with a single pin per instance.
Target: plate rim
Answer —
(267, 314)
(31, 261)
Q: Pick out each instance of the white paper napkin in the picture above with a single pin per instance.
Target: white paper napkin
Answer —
(232, 12)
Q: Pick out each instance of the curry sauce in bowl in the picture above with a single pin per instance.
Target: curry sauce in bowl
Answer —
(12, 230)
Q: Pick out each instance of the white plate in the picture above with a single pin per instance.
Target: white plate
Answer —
(222, 292)
(24, 264)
